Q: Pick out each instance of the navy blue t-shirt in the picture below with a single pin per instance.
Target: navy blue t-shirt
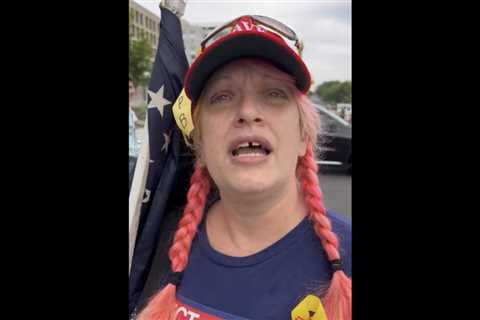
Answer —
(265, 285)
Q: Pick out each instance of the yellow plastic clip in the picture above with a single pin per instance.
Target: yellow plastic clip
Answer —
(310, 308)
(182, 112)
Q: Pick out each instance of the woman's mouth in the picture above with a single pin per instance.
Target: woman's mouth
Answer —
(250, 149)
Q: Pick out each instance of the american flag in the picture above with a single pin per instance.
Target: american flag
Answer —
(169, 160)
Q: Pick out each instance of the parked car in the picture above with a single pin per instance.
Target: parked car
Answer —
(335, 140)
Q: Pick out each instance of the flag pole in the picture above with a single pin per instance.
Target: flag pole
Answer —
(136, 193)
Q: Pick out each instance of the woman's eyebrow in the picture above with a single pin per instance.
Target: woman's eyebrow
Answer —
(216, 80)
(269, 78)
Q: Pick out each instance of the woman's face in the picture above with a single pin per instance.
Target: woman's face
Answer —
(249, 129)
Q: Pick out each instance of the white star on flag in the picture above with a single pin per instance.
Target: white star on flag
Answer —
(158, 101)
(167, 141)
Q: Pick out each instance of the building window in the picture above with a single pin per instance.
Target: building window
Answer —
(141, 19)
(136, 16)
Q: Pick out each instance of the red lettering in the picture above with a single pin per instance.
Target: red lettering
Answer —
(237, 28)
(185, 312)
(247, 25)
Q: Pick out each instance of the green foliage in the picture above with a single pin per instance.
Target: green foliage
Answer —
(335, 91)
(140, 54)
(140, 60)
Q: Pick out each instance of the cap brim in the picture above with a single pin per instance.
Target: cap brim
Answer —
(248, 44)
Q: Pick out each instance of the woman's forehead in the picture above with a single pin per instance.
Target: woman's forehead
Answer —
(239, 70)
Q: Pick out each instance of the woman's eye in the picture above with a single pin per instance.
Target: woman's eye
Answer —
(220, 98)
(277, 94)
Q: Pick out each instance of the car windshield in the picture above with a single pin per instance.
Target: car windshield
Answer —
(332, 115)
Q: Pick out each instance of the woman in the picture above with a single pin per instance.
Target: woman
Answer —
(266, 241)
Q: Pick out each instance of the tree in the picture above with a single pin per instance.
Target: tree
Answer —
(140, 56)
(345, 93)
(335, 91)
(140, 60)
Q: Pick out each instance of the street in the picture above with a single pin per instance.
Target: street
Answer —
(337, 190)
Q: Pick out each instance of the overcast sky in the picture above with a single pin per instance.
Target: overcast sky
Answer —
(324, 26)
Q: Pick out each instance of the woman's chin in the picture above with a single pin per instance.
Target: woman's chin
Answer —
(250, 185)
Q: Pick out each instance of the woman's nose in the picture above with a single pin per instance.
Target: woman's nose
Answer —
(248, 113)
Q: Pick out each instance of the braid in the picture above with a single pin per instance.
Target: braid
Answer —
(338, 298)
(162, 305)
(192, 216)
(313, 198)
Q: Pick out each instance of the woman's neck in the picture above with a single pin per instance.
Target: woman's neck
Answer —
(242, 226)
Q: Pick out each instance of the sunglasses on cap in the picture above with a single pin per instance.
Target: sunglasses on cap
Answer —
(270, 24)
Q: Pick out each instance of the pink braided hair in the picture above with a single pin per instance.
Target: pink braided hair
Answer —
(338, 299)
